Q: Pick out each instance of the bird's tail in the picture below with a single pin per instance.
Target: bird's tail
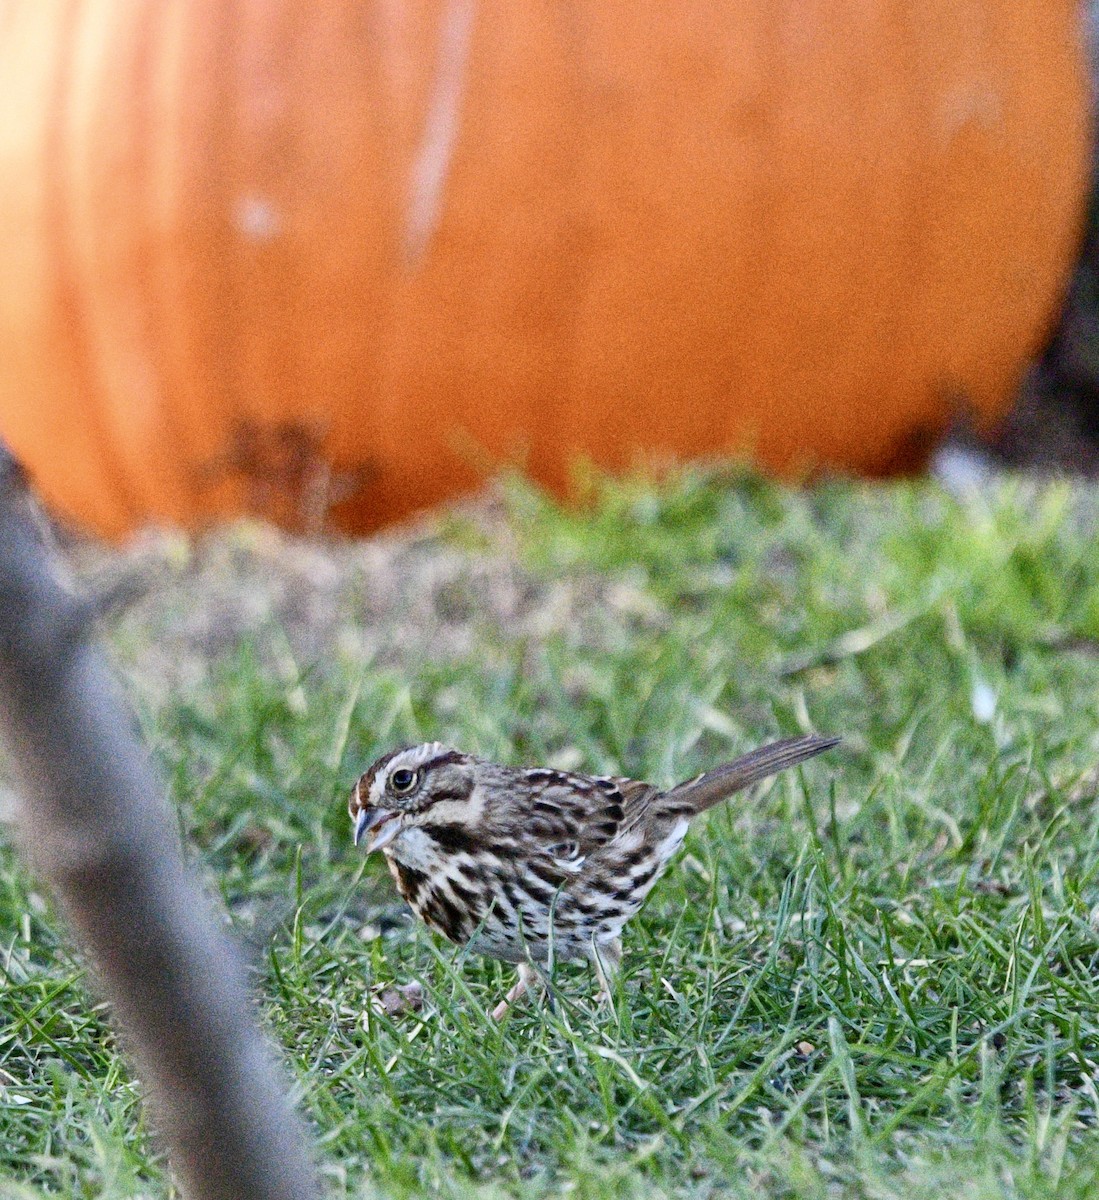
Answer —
(703, 792)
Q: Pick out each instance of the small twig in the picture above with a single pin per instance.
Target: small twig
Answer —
(97, 827)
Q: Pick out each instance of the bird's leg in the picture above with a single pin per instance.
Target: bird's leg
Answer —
(606, 959)
(527, 976)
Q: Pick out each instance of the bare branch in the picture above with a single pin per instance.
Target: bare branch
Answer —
(97, 827)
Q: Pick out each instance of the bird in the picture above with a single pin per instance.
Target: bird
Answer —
(536, 865)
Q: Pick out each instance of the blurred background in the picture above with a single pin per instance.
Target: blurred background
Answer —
(334, 268)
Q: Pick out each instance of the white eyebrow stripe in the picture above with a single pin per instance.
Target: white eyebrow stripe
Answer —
(412, 758)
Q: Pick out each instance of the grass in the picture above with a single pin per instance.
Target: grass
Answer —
(877, 977)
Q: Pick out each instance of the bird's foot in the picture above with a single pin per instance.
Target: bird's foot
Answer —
(606, 959)
(528, 975)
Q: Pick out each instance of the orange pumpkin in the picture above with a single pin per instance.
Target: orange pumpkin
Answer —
(254, 248)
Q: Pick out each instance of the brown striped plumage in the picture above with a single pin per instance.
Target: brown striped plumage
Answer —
(529, 865)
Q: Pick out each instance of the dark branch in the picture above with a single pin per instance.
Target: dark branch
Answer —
(97, 827)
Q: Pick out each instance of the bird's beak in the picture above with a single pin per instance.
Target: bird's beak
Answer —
(381, 822)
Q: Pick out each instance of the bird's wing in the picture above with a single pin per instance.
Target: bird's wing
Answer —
(570, 816)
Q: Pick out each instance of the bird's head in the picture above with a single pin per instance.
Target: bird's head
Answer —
(410, 786)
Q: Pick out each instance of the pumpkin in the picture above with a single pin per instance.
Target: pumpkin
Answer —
(351, 254)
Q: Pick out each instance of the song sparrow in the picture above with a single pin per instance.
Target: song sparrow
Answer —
(531, 865)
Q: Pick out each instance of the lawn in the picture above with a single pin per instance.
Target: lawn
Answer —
(878, 976)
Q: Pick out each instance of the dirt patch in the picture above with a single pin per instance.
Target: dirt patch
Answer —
(443, 586)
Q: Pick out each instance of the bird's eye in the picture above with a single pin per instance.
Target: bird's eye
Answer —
(403, 780)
